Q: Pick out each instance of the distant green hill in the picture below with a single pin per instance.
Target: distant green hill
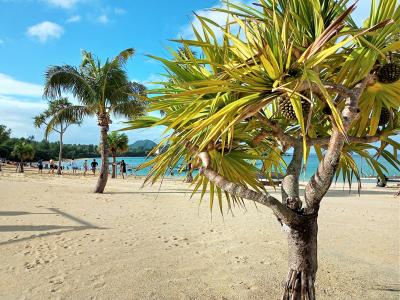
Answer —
(144, 145)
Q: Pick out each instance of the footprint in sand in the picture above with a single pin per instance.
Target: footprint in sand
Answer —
(98, 281)
(42, 255)
(175, 241)
(56, 282)
(241, 259)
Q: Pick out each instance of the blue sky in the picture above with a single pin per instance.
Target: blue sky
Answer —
(37, 33)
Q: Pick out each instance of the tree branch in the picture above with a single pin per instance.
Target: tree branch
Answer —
(351, 139)
(276, 131)
(290, 183)
(283, 213)
(321, 181)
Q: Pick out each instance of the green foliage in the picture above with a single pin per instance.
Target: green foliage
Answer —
(118, 142)
(23, 151)
(99, 88)
(49, 150)
(4, 134)
(216, 99)
(52, 120)
(146, 145)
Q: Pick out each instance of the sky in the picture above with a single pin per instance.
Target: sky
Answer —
(35, 34)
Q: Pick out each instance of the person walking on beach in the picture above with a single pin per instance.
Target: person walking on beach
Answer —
(85, 167)
(74, 166)
(123, 168)
(52, 167)
(94, 165)
(40, 166)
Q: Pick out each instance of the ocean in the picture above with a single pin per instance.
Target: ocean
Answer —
(312, 164)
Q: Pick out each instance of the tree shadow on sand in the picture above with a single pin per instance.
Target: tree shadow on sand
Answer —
(20, 213)
(150, 192)
(387, 287)
(59, 229)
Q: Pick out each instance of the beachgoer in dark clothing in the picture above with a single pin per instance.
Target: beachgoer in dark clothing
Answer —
(40, 166)
(123, 168)
(94, 165)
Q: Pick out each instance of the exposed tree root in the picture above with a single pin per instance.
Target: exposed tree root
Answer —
(299, 286)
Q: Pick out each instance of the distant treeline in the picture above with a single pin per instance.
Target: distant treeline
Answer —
(49, 150)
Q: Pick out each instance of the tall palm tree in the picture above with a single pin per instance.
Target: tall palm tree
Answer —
(23, 151)
(300, 75)
(118, 143)
(51, 119)
(102, 90)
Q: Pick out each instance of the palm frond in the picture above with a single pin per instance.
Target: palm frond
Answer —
(66, 78)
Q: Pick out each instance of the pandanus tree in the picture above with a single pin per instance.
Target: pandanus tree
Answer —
(102, 90)
(23, 151)
(286, 76)
(118, 143)
(51, 119)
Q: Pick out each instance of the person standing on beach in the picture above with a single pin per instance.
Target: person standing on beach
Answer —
(40, 166)
(123, 168)
(85, 167)
(94, 165)
(74, 166)
(52, 167)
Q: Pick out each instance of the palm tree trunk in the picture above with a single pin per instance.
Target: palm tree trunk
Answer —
(102, 181)
(114, 167)
(60, 152)
(189, 177)
(302, 252)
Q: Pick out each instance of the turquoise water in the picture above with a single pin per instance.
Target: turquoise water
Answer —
(134, 162)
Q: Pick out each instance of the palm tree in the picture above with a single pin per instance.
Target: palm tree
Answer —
(118, 143)
(300, 75)
(51, 119)
(23, 151)
(102, 90)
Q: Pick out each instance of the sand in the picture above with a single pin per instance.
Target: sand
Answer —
(60, 241)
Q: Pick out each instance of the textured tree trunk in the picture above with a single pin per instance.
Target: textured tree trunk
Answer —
(21, 166)
(189, 177)
(60, 153)
(302, 258)
(114, 167)
(102, 181)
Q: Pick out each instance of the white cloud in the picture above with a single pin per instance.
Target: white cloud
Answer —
(103, 19)
(66, 4)
(119, 11)
(149, 82)
(45, 30)
(11, 86)
(18, 114)
(218, 17)
(74, 19)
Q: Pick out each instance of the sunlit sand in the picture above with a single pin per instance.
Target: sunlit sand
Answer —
(58, 240)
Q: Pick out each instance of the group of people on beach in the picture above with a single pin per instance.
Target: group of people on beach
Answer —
(75, 168)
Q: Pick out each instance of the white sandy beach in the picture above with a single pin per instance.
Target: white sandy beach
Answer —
(58, 240)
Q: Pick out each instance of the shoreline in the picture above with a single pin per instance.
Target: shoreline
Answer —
(29, 171)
